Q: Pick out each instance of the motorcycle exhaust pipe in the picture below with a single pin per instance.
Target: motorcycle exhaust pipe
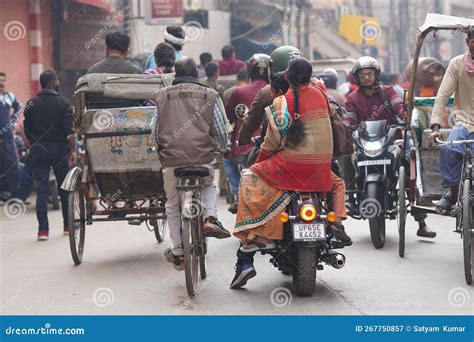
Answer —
(336, 260)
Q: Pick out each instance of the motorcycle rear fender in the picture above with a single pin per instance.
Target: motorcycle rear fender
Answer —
(72, 178)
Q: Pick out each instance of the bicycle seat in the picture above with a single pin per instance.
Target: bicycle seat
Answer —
(191, 171)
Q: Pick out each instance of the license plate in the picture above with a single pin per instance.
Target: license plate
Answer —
(374, 162)
(309, 232)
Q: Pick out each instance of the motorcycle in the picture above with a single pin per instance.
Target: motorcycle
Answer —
(377, 161)
(308, 241)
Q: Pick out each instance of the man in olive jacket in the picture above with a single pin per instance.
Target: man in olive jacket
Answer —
(189, 128)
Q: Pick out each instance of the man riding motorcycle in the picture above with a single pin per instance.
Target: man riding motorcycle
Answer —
(370, 102)
(257, 67)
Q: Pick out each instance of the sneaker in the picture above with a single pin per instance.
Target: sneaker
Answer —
(426, 232)
(233, 208)
(340, 234)
(213, 228)
(66, 231)
(257, 244)
(43, 235)
(176, 260)
(242, 274)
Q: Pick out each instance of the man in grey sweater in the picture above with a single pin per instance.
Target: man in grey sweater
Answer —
(115, 61)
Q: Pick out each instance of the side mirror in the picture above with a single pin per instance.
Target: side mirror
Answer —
(241, 111)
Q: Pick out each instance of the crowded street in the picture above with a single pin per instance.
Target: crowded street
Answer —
(124, 272)
(294, 169)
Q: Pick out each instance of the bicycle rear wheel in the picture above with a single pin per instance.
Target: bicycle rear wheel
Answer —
(189, 239)
(202, 250)
(467, 218)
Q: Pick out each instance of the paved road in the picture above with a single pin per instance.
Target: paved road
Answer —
(124, 272)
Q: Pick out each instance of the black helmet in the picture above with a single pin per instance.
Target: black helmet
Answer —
(329, 77)
(257, 66)
(366, 62)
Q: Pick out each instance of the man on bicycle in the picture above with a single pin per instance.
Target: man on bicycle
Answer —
(189, 127)
(459, 79)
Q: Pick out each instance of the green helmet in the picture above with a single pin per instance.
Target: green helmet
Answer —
(281, 57)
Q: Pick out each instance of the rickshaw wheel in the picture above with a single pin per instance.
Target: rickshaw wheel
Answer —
(467, 218)
(76, 223)
(401, 211)
(189, 237)
(159, 227)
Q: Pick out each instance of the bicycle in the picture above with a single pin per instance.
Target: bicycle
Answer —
(465, 210)
(190, 182)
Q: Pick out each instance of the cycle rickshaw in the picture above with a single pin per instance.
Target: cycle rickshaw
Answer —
(119, 174)
(422, 188)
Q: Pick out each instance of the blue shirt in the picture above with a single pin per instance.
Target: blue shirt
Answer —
(150, 63)
(7, 122)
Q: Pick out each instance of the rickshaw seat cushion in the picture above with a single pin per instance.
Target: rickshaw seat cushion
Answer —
(191, 171)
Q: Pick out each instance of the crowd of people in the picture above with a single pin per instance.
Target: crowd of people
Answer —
(285, 107)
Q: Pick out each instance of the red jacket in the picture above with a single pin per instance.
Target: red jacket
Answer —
(384, 104)
(242, 95)
(230, 66)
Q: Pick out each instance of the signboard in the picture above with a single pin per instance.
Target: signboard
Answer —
(359, 30)
(164, 12)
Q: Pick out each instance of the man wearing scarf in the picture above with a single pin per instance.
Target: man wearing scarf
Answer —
(459, 79)
(176, 37)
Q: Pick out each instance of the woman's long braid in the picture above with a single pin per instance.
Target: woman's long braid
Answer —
(296, 100)
(296, 132)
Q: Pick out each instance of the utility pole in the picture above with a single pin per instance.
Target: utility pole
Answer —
(126, 17)
(307, 30)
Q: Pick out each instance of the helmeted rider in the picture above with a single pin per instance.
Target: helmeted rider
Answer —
(239, 102)
(373, 101)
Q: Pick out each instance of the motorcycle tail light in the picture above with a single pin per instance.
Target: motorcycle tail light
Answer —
(283, 217)
(332, 217)
(308, 212)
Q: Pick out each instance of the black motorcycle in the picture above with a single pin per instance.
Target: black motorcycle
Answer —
(377, 162)
(308, 241)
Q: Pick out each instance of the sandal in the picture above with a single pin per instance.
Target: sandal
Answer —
(257, 244)
(445, 205)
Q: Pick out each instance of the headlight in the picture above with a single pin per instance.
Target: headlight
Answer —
(373, 148)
